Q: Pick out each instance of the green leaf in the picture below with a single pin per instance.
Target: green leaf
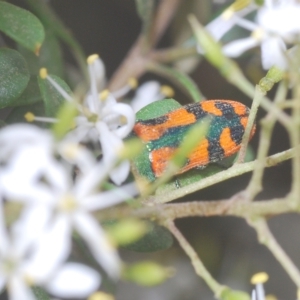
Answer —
(22, 26)
(147, 273)
(14, 76)
(180, 79)
(53, 23)
(17, 115)
(229, 294)
(126, 231)
(158, 238)
(50, 57)
(157, 109)
(30, 95)
(51, 97)
(65, 116)
(40, 294)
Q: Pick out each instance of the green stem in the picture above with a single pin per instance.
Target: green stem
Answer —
(251, 120)
(294, 133)
(267, 125)
(234, 171)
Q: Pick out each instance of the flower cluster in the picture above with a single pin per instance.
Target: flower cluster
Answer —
(38, 172)
(59, 184)
(276, 28)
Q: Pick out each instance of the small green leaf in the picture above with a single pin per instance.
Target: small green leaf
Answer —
(158, 238)
(30, 95)
(229, 294)
(147, 273)
(40, 294)
(180, 79)
(51, 97)
(22, 26)
(65, 122)
(126, 231)
(157, 109)
(14, 76)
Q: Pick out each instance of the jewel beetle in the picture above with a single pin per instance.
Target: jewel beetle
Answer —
(163, 135)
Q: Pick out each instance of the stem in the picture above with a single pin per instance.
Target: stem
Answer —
(172, 54)
(135, 62)
(236, 77)
(266, 238)
(294, 133)
(205, 208)
(165, 13)
(251, 119)
(196, 262)
(267, 125)
(234, 171)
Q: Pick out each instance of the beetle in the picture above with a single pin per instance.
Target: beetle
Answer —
(164, 134)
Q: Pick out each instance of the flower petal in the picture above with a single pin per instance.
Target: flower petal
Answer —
(119, 174)
(98, 243)
(19, 290)
(126, 111)
(111, 144)
(52, 249)
(110, 198)
(29, 227)
(238, 47)
(272, 53)
(219, 26)
(147, 93)
(74, 280)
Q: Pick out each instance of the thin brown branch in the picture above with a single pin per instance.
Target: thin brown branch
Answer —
(266, 237)
(198, 265)
(165, 13)
(135, 62)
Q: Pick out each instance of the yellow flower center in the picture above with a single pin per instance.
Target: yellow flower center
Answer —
(67, 203)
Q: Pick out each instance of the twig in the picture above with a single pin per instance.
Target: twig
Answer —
(267, 124)
(165, 13)
(199, 267)
(234, 171)
(266, 237)
(251, 121)
(134, 64)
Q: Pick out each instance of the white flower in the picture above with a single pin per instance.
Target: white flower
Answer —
(25, 262)
(277, 22)
(47, 186)
(149, 92)
(225, 21)
(101, 118)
